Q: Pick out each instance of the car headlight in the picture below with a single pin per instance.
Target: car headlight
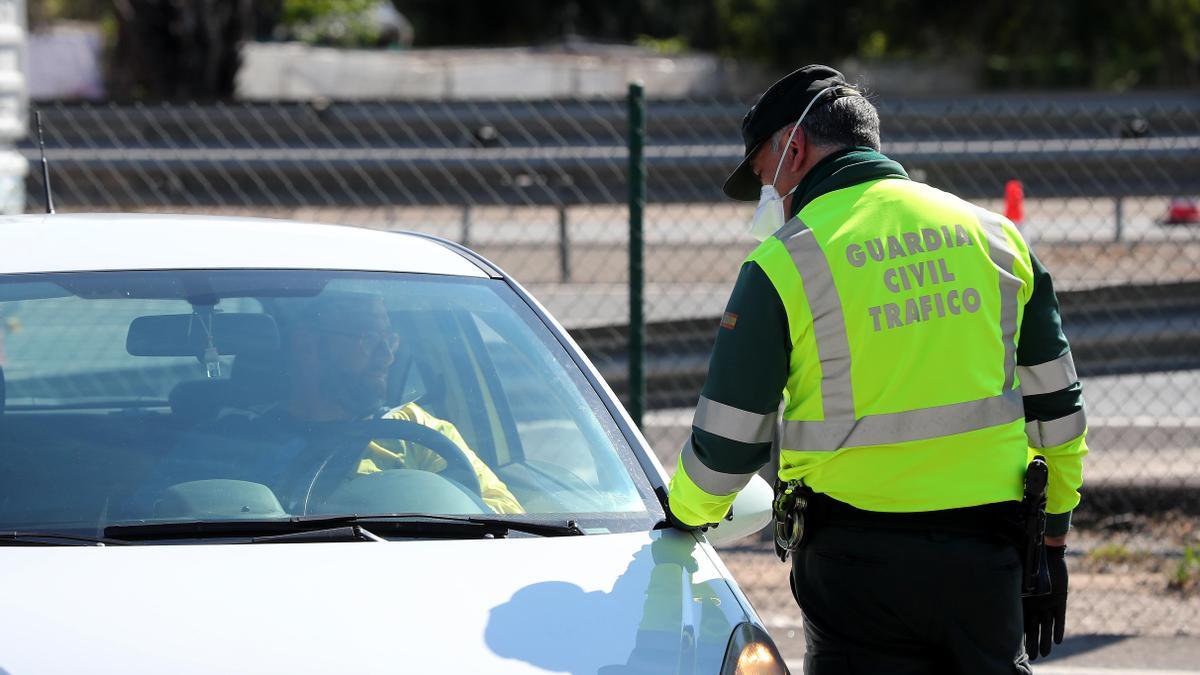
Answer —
(752, 652)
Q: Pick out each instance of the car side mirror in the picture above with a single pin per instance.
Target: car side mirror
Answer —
(751, 513)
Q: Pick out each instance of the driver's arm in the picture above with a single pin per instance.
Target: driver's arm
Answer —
(415, 456)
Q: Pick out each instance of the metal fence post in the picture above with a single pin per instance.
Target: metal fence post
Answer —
(1119, 216)
(465, 232)
(564, 246)
(637, 200)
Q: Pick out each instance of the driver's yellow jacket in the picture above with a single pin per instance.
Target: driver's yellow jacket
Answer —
(397, 454)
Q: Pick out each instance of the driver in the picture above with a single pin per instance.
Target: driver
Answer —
(337, 366)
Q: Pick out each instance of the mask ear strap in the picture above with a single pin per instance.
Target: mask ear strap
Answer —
(797, 126)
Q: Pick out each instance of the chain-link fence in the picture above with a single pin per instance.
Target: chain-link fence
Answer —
(539, 187)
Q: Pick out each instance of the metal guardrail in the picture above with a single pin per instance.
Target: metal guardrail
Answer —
(1113, 330)
(561, 153)
(484, 123)
(558, 176)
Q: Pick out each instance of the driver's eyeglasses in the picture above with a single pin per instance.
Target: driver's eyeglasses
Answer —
(369, 340)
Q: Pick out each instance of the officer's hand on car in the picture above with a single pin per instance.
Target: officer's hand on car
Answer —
(678, 524)
(1046, 615)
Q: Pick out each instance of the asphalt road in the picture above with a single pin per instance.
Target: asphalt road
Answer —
(1091, 655)
(1104, 655)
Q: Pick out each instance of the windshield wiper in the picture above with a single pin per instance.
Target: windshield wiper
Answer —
(33, 538)
(554, 529)
(488, 526)
(415, 525)
(328, 534)
(303, 525)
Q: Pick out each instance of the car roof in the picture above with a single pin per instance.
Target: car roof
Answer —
(122, 241)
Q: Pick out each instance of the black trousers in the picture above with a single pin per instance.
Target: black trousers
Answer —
(897, 602)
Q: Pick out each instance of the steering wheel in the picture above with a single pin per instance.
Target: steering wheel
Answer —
(344, 443)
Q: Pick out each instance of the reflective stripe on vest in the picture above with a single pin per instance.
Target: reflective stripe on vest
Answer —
(1048, 377)
(733, 423)
(1010, 288)
(829, 324)
(1056, 432)
(713, 482)
(911, 425)
(842, 428)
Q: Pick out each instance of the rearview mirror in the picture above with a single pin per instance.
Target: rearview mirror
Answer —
(751, 513)
(185, 335)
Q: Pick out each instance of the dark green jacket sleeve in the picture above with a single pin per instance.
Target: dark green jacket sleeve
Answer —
(1054, 411)
(747, 372)
(736, 415)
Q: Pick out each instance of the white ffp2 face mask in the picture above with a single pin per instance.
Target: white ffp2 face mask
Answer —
(769, 216)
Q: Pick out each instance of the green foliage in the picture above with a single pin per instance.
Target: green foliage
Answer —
(874, 45)
(1070, 43)
(1111, 553)
(1115, 45)
(1017, 43)
(342, 23)
(671, 46)
(1186, 575)
(303, 11)
(43, 12)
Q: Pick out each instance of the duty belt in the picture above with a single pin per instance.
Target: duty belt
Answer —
(1000, 519)
(799, 512)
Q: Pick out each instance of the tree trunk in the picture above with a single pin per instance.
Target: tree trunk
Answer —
(176, 50)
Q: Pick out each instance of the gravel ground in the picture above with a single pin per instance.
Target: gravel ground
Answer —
(1123, 579)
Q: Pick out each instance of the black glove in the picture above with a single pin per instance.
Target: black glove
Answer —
(1046, 615)
(680, 525)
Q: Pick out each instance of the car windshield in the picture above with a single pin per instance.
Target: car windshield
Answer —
(182, 396)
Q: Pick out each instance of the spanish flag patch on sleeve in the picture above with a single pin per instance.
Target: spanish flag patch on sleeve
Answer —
(728, 320)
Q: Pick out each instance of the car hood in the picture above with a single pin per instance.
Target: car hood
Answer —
(645, 602)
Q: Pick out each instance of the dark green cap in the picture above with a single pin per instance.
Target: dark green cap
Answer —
(780, 105)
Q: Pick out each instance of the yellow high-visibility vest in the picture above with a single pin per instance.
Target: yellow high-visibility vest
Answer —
(904, 306)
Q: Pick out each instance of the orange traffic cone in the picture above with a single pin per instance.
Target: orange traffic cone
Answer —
(1014, 201)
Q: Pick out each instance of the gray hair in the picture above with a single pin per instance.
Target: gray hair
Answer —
(844, 122)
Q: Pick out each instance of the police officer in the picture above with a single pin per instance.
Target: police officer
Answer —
(903, 350)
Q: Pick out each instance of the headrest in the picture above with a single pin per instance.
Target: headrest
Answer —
(198, 400)
(258, 377)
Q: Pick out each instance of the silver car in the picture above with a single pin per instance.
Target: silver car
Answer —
(238, 445)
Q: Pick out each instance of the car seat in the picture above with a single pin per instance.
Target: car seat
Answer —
(406, 382)
(197, 401)
(256, 380)
(412, 379)
(259, 379)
